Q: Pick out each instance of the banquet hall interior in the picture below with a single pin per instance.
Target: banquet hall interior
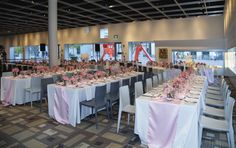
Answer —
(117, 73)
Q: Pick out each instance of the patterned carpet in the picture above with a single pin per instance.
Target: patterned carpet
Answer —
(23, 126)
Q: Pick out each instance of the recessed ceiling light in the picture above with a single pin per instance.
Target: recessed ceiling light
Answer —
(111, 6)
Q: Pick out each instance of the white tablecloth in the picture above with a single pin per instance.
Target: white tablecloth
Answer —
(14, 88)
(187, 122)
(76, 95)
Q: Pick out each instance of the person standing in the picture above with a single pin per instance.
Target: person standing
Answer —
(4, 56)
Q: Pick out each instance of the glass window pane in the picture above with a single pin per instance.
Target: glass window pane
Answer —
(147, 52)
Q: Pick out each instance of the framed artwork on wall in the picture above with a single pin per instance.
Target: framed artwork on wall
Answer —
(163, 53)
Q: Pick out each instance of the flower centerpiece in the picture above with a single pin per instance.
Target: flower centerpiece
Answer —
(15, 71)
(115, 70)
(65, 78)
(184, 75)
(41, 69)
(89, 76)
(100, 74)
(82, 74)
(169, 91)
(74, 79)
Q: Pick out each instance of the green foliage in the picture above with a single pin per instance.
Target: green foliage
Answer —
(18, 50)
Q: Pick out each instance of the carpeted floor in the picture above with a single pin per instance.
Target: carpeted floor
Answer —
(23, 126)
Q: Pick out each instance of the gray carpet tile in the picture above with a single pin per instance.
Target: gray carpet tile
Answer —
(23, 126)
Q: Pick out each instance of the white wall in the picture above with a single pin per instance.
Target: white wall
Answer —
(195, 32)
(230, 23)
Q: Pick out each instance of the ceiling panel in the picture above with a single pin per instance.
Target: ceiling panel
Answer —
(24, 16)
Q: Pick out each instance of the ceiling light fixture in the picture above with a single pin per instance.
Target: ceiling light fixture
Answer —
(109, 4)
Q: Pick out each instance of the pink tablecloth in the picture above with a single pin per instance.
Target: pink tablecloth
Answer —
(7, 98)
(162, 124)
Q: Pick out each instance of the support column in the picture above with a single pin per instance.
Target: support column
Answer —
(52, 32)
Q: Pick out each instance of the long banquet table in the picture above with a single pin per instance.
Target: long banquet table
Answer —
(13, 88)
(64, 101)
(161, 123)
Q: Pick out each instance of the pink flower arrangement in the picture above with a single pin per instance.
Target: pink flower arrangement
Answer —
(41, 68)
(55, 69)
(74, 79)
(184, 75)
(115, 70)
(89, 76)
(15, 70)
(168, 90)
(177, 83)
(100, 73)
(83, 74)
(65, 78)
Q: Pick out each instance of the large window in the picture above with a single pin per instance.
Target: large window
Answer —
(74, 51)
(213, 58)
(34, 53)
(149, 48)
(16, 53)
(115, 47)
(230, 59)
(119, 51)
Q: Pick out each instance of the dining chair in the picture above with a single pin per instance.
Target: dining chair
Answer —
(148, 84)
(144, 69)
(217, 88)
(217, 92)
(124, 105)
(150, 69)
(155, 81)
(138, 89)
(133, 80)
(131, 86)
(91, 66)
(165, 76)
(10, 67)
(218, 96)
(6, 74)
(97, 103)
(140, 68)
(218, 103)
(44, 93)
(35, 88)
(160, 78)
(125, 82)
(57, 77)
(113, 96)
(4, 68)
(69, 74)
(25, 67)
(218, 125)
(217, 112)
(140, 77)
